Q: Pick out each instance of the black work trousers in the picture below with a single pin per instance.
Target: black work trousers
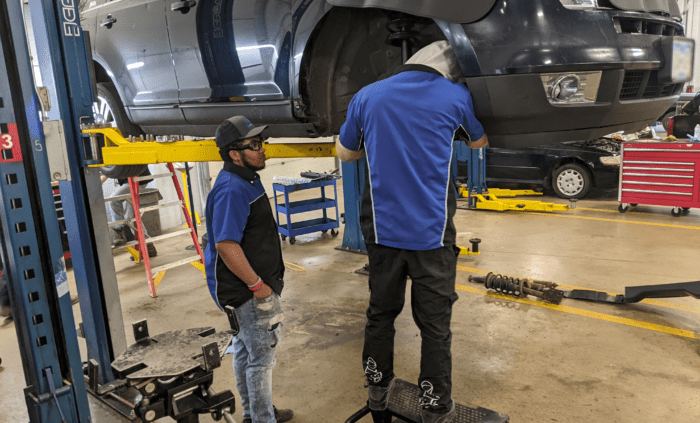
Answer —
(433, 275)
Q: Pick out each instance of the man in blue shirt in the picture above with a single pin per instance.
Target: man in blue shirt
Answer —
(244, 265)
(405, 125)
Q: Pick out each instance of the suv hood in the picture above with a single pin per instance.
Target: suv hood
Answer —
(443, 10)
(669, 7)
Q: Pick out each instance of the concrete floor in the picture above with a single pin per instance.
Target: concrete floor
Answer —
(578, 362)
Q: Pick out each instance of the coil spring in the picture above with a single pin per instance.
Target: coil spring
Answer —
(401, 34)
(507, 285)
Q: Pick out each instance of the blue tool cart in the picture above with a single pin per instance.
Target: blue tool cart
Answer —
(292, 229)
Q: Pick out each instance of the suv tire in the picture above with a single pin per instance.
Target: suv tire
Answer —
(112, 110)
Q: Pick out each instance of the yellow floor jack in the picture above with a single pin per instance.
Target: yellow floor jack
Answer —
(480, 197)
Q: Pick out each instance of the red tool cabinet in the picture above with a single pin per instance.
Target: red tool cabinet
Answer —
(660, 174)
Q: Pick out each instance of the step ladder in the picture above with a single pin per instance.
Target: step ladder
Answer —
(155, 275)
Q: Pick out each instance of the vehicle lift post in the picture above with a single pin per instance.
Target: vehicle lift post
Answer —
(32, 250)
(66, 72)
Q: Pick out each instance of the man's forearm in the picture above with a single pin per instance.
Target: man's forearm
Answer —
(234, 258)
(481, 142)
(347, 155)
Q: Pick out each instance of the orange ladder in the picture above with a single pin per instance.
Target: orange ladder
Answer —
(155, 275)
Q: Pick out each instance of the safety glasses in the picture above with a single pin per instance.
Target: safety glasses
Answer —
(255, 145)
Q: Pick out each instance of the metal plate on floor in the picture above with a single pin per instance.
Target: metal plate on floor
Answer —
(404, 403)
(169, 354)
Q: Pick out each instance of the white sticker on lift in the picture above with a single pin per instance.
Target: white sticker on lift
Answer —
(61, 279)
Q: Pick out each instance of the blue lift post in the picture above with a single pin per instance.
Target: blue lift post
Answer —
(65, 69)
(476, 183)
(353, 184)
(31, 239)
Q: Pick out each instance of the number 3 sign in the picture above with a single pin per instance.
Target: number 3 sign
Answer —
(10, 150)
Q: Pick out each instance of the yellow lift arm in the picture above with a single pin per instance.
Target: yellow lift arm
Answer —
(490, 200)
(121, 151)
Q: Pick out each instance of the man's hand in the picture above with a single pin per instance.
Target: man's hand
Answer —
(263, 292)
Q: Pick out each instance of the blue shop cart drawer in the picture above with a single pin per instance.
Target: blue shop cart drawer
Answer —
(307, 205)
(308, 226)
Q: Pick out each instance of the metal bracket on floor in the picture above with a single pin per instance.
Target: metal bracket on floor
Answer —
(635, 294)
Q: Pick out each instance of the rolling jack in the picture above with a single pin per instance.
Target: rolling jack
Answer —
(479, 197)
(405, 406)
(169, 375)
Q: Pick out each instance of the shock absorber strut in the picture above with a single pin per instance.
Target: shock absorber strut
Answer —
(402, 35)
(520, 287)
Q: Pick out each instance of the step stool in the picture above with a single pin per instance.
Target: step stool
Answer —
(404, 404)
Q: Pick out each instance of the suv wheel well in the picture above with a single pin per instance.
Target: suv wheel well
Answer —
(346, 52)
(101, 74)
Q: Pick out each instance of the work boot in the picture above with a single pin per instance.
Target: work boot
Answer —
(152, 252)
(379, 396)
(119, 237)
(430, 417)
(283, 415)
(5, 311)
(280, 415)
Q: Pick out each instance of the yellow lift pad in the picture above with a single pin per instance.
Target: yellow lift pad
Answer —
(121, 151)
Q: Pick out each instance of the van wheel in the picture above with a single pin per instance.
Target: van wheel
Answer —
(571, 181)
(109, 109)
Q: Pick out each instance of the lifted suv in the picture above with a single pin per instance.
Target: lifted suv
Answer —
(540, 71)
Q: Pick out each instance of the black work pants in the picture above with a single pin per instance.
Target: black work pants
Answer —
(433, 275)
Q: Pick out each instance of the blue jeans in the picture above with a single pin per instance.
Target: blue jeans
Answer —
(122, 209)
(254, 355)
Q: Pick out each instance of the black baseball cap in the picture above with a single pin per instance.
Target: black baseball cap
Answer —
(234, 129)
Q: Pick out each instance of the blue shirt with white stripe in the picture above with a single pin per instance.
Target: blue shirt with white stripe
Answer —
(238, 210)
(406, 124)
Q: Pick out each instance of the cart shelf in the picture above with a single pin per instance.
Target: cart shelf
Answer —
(288, 208)
(306, 206)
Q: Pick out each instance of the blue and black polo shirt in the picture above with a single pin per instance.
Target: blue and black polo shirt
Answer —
(407, 123)
(238, 210)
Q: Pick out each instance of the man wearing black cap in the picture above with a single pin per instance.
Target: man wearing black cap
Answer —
(244, 265)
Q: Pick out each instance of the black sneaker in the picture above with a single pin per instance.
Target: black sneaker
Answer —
(379, 396)
(280, 415)
(430, 417)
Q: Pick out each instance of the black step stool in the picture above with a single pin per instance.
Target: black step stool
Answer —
(403, 404)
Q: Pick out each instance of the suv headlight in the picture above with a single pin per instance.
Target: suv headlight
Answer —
(580, 4)
(610, 160)
(571, 89)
